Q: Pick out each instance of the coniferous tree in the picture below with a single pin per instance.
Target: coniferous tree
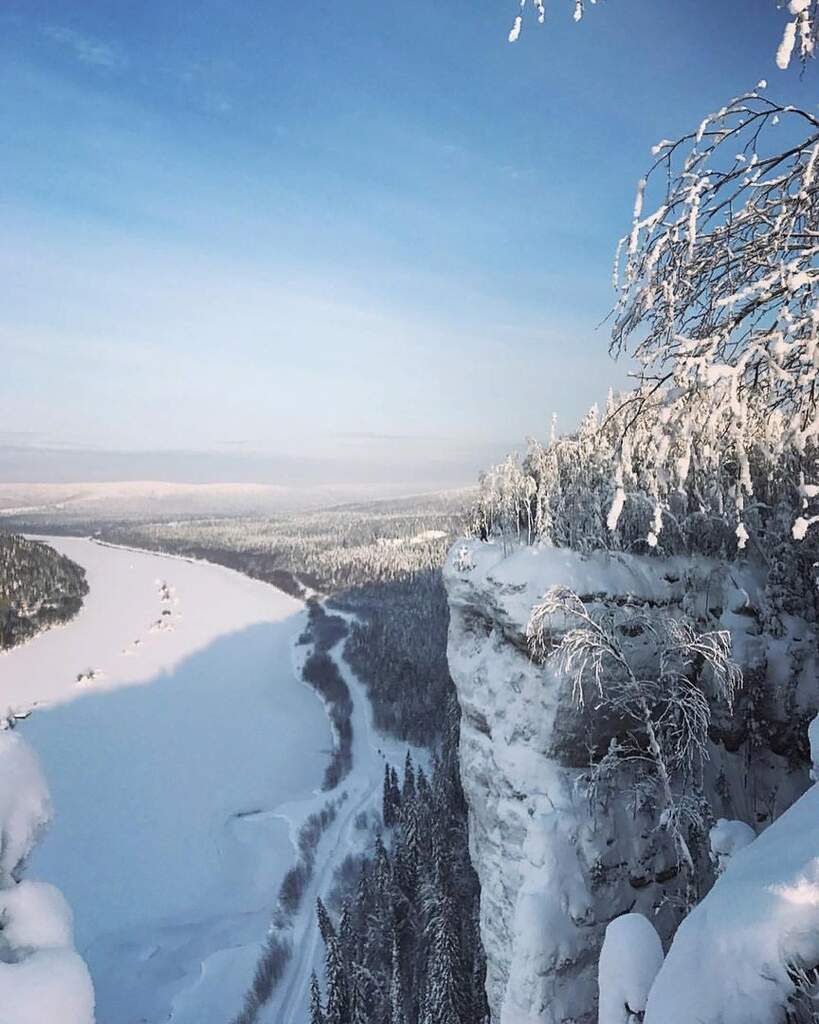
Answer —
(316, 1014)
(408, 792)
(396, 791)
(422, 785)
(408, 940)
(338, 990)
(397, 1015)
(445, 998)
(325, 924)
(388, 808)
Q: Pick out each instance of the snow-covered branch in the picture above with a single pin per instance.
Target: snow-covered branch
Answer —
(798, 36)
(654, 674)
(719, 287)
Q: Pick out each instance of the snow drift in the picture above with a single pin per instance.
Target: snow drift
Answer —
(630, 958)
(42, 978)
(739, 955)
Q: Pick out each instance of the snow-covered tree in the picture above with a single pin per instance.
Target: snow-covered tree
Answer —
(445, 999)
(316, 1013)
(337, 1009)
(326, 926)
(627, 480)
(397, 1015)
(719, 281)
(389, 804)
(653, 672)
(408, 789)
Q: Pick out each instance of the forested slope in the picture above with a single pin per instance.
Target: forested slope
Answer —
(38, 588)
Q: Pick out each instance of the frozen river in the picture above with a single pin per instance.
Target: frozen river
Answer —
(171, 725)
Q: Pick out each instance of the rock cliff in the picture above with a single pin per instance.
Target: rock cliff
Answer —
(556, 860)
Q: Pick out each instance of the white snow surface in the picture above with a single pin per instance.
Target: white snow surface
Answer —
(35, 915)
(630, 958)
(728, 963)
(175, 745)
(25, 805)
(728, 837)
(51, 986)
(42, 979)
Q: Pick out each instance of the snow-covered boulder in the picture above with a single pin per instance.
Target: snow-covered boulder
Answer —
(732, 959)
(726, 838)
(630, 958)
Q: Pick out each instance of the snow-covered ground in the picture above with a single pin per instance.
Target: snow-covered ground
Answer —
(173, 730)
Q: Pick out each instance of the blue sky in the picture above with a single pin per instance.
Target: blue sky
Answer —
(344, 234)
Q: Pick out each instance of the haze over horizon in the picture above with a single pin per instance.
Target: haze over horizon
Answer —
(377, 465)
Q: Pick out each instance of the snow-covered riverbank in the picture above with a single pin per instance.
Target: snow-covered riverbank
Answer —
(363, 789)
(170, 723)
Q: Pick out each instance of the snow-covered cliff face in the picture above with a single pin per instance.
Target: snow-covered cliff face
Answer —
(555, 865)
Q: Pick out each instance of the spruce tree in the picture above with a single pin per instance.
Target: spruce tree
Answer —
(395, 789)
(397, 1015)
(387, 801)
(316, 1015)
(408, 792)
(325, 924)
(445, 994)
(338, 991)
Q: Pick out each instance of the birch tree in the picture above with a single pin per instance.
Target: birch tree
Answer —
(655, 672)
(798, 34)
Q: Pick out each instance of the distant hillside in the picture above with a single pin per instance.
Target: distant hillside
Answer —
(42, 507)
(38, 588)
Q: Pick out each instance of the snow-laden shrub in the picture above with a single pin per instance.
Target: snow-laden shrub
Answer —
(25, 805)
(43, 980)
(727, 838)
(630, 958)
(35, 915)
(659, 674)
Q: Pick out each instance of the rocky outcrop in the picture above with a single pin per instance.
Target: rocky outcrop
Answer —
(557, 863)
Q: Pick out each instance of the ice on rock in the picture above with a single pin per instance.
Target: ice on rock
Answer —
(813, 739)
(630, 958)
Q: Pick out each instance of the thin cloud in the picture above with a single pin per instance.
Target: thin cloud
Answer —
(85, 48)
